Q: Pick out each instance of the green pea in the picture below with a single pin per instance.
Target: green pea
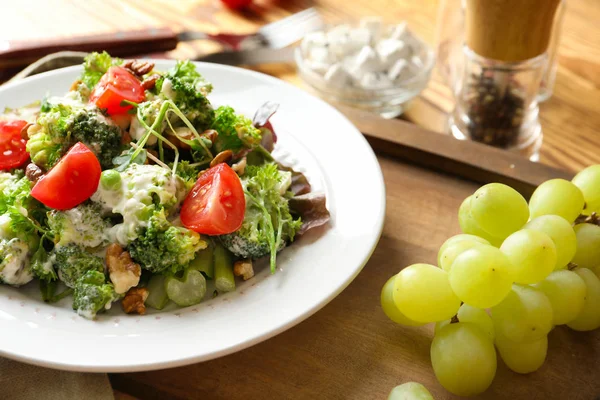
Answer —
(110, 179)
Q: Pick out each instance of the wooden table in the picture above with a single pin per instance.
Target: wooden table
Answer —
(349, 350)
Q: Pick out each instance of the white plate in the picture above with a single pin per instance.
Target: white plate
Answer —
(314, 138)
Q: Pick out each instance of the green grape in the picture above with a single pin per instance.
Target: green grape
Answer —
(469, 226)
(410, 391)
(476, 316)
(480, 276)
(524, 315)
(463, 359)
(562, 234)
(588, 181)
(566, 291)
(422, 293)
(523, 358)
(557, 197)
(499, 209)
(389, 307)
(456, 245)
(532, 255)
(589, 317)
(588, 245)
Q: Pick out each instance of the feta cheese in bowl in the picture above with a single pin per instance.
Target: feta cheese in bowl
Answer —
(369, 65)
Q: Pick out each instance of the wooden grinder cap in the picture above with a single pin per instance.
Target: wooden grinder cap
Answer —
(509, 30)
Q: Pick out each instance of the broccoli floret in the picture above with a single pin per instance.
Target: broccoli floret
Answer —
(82, 225)
(15, 192)
(72, 262)
(93, 294)
(98, 133)
(268, 224)
(138, 192)
(66, 121)
(186, 72)
(42, 264)
(235, 131)
(95, 65)
(191, 102)
(188, 173)
(164, 248)
(14, 262)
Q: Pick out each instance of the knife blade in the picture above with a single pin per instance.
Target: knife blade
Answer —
(261, 55)
(278, 34)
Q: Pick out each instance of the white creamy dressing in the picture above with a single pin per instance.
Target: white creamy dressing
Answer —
(72, 99)
(167, 89)
(285, 181)
(138, 184)
(14, 269)
(79, 231)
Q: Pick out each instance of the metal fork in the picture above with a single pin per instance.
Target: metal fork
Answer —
(276, 35)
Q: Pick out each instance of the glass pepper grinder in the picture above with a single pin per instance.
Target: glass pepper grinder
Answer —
(504, 59)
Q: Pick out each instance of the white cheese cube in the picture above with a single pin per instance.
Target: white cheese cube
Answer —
(399, 71)
(314, 39)
(321, 55)
(374, 25)
(375, 80)
(336, 76)
(366, 60)
(399, 31)
(319, 67)
(358, 38)
(339, 40)
(392, 50)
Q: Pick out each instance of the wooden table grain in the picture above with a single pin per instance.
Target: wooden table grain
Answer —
(349, 350)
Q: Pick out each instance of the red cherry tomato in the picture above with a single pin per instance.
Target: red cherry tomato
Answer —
(216, 204)
(237, 4)
(12, 145)
(116, 85)
(70, 182)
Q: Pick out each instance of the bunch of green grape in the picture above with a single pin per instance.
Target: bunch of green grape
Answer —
(517, 270)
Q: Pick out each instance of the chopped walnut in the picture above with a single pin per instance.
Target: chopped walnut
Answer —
(75, 84)
(222, 157)
(244, 269)
(123, 272)
(138, 68)
(133, 302)
(210, 134)
(24, 131)
(150, 81)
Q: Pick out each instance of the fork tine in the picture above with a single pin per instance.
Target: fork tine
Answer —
(290, 29)
(294, 18)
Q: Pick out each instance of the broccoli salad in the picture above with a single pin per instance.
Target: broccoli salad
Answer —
(133, 188)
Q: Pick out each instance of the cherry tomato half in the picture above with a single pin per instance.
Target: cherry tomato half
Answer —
(116, 85)
(12, 145)
(216, 204)
(73, 180)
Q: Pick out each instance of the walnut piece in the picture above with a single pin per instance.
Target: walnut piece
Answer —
(150, 81)
(133, 302)
(244, 269)
(138, 67)
(222, 157)
(123, 272)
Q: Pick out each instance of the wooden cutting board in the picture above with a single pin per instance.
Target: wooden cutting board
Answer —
(349, 349)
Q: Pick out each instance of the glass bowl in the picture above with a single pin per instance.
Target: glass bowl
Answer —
(390, 101)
